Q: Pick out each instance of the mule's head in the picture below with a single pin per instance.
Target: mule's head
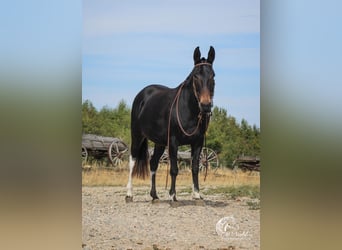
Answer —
(203, 79)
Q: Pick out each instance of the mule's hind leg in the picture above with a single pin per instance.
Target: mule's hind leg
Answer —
(129, 196)
(135, 148)
(157, 153)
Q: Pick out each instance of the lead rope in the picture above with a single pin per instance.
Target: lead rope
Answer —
(205, 146)
(187, 134)
(177, 114)
(206, 156)
(182, 129)
(180, 126)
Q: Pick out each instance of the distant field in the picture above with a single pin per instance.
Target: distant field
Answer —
(101, 176)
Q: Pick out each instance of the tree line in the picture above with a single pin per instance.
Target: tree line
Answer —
(227, 137)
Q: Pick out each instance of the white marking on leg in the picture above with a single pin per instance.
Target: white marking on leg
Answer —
(129, 184)
(195, 194)
(172, 196)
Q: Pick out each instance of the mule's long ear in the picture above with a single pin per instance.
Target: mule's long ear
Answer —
(211, 55)
(197, 55)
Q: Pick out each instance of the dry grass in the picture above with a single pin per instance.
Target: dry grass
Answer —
(99, 176)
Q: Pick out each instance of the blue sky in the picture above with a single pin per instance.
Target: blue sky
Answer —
(130, 44)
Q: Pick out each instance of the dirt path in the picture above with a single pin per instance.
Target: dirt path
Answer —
(108, 222)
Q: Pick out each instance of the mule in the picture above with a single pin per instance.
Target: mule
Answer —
(171, 117)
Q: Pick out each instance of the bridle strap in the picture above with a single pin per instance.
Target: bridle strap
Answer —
(195, 91)
(203, 63)
(193, 82)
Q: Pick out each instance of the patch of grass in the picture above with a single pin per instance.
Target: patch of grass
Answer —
(253, 205)
(187, 190)
(233, 192)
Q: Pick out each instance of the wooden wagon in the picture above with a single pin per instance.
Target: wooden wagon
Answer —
(100, 147)
(184, 158)
(251, 163)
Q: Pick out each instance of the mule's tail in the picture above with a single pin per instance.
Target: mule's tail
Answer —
(140, 168)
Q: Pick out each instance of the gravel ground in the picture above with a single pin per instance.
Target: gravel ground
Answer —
(108, 222)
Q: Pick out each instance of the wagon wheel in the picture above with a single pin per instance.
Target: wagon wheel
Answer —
(116, 151)
(84, 154)
(213, 161)
(163, 159)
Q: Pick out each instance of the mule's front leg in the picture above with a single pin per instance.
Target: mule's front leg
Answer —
(196, 151)
(173, 172)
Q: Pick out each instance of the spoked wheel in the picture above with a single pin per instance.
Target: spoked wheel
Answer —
(213, 161)
(116, 151)
(164, 158)
(84, 155)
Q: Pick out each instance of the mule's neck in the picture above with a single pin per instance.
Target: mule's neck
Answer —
(188, 99)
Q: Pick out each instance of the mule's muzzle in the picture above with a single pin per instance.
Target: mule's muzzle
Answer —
(205, 108)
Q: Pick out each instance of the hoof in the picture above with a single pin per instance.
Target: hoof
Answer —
(173, 197)
(129, 199)
(200, 198)
(154, 195)
(196, 196)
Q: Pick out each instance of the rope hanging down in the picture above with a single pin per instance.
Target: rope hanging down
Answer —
(176, 100)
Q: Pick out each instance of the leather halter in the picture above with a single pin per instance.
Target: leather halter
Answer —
(194, 86)
(203, 63)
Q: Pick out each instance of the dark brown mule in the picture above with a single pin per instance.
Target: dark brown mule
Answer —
(172, 117)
